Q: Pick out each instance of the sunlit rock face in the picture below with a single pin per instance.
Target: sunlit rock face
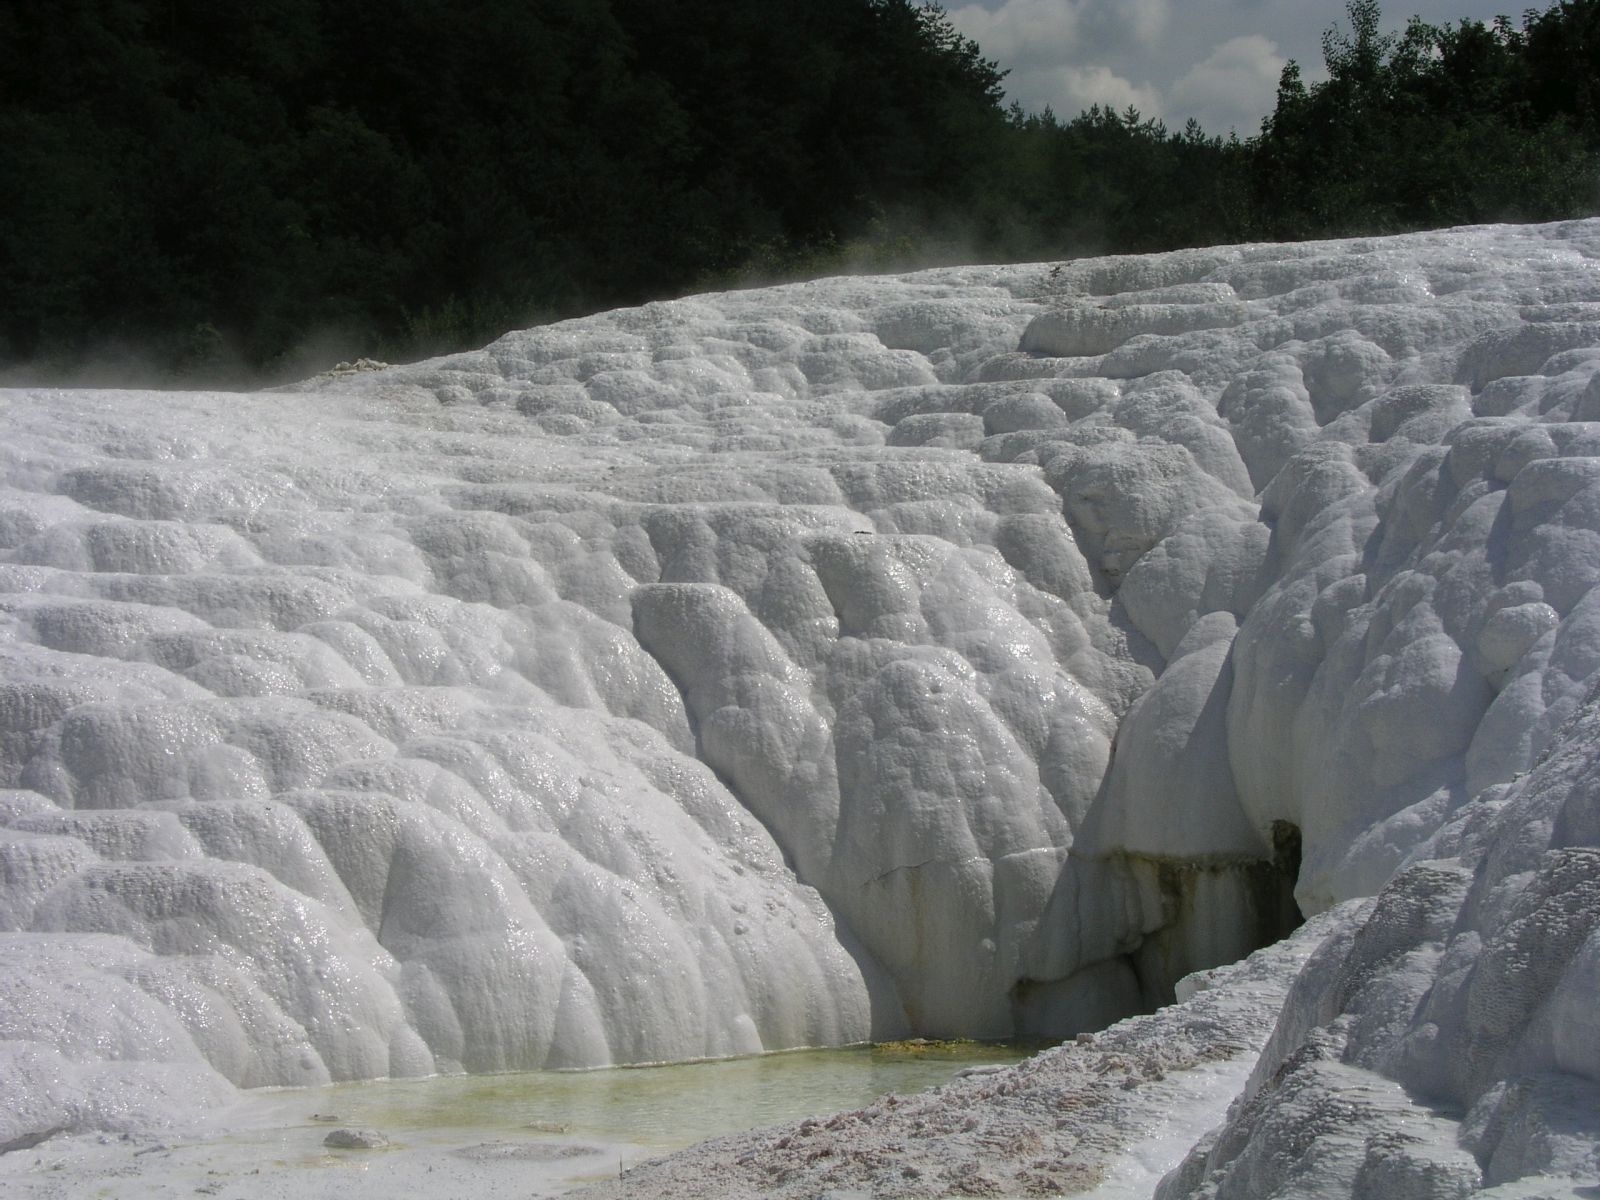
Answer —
(959, 653)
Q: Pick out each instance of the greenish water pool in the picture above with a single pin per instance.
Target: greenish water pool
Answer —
(669, 1106)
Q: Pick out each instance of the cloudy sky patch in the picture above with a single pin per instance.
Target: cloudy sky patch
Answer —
(1215, 60)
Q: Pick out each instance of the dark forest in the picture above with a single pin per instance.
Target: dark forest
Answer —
(206, 193)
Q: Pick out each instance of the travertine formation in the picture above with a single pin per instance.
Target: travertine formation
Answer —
(976, 651)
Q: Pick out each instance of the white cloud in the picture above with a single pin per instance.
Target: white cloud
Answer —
(1071, 89)
(1230, 88)
(1057, 50)
(1124, 24)
(1215, 60)
(1069, 54)
(1021, 32)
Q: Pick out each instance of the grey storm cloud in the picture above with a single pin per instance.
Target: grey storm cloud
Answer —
(1217, 61)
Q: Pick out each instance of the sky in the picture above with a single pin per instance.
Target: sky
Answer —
(1215, 60)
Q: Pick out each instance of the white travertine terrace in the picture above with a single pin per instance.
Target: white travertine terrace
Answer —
(956, 652)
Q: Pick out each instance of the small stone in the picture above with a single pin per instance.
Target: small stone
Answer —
(355, 1139)
(984, 1069)
(549, 1127)
(29, 1140)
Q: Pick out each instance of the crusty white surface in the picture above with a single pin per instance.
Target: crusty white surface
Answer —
(745, 672)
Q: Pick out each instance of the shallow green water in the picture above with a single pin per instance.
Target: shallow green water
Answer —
(668, 1106)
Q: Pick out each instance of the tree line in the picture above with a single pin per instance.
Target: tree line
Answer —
(224, 190)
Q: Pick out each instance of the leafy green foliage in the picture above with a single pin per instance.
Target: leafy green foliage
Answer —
(399, 178)
(239, 188)
(1435, 125)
